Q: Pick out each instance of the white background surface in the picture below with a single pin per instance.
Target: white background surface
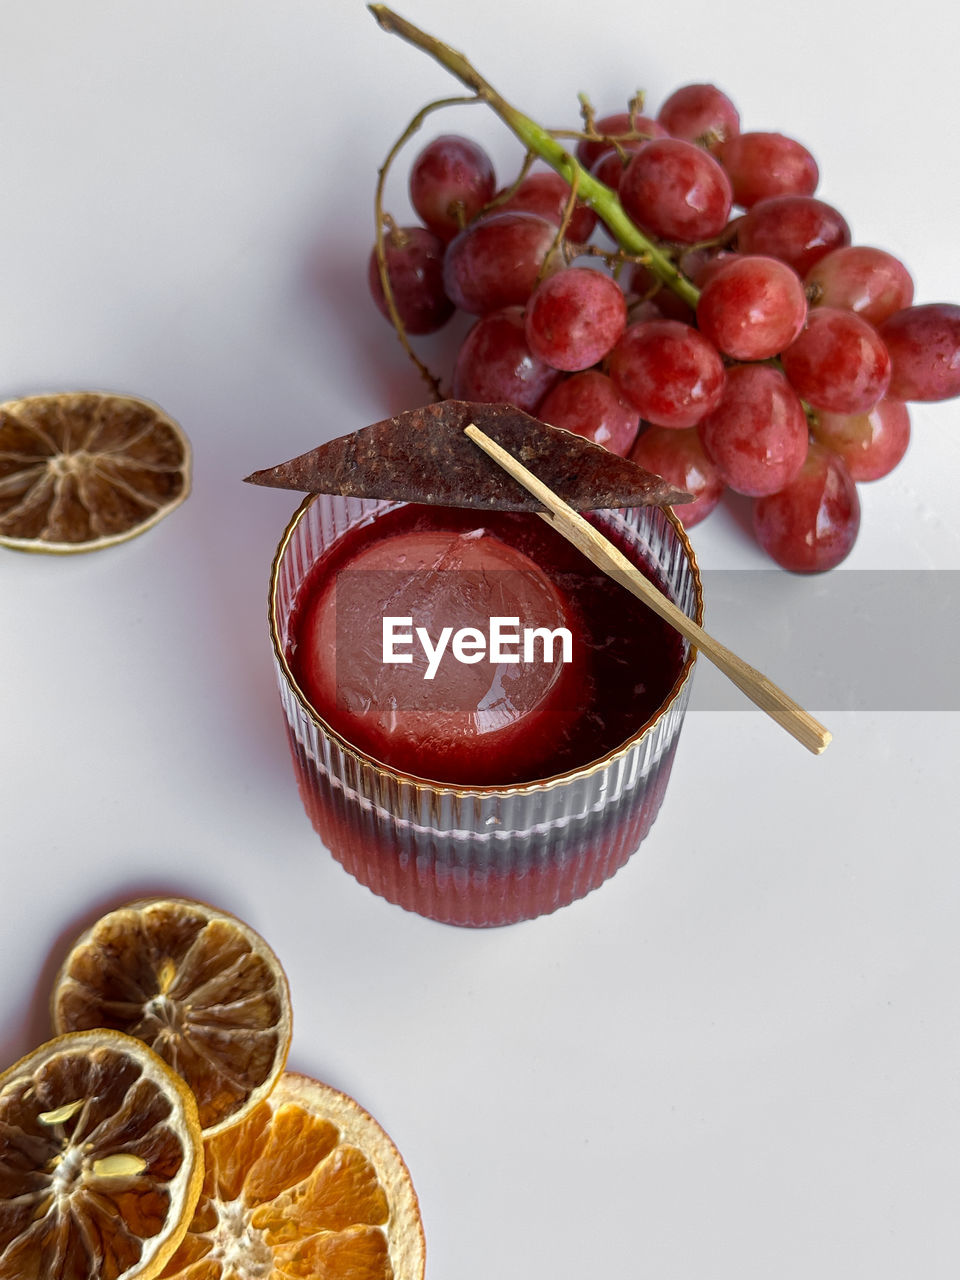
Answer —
(739, 1058)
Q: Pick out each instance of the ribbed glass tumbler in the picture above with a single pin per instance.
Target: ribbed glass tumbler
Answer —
(484, 855)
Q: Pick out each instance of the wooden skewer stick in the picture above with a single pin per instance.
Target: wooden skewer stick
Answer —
(768, 697)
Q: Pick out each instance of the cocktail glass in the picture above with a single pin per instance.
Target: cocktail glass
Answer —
(483, 855)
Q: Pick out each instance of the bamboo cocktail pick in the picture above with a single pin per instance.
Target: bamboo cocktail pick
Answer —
(767, 696)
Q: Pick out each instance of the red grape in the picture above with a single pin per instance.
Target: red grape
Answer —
(869, 281)
(609, 166)
(757, 435)
(679, 457)
(700, 113)
(496, 261)
(668, 370)
(451, 180)
(872, 443)
(609, 169)
(924, 346)
(573, 318)
(700, 265)
(663, 302)
(588, 404)
(676, 190)
(812, 524)
(648, 309)
(620, 127)
(495, 364)
(799, 230)
(547, 194)
(760, 165)
(752, 307)
(414, 258)
(839, 362)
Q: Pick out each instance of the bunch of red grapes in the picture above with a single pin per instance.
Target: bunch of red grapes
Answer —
(776, 362)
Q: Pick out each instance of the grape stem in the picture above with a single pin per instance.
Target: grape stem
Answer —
(605, 202)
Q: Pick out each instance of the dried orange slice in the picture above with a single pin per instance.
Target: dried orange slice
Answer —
(83, 470)
(197, 985)
(101, 1161)
(307, 1186)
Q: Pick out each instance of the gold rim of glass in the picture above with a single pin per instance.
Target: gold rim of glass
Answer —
(522, 788)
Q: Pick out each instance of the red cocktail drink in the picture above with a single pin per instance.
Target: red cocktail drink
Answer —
(473, 790)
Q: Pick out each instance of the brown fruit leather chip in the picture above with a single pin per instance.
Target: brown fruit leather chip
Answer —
(424, 456)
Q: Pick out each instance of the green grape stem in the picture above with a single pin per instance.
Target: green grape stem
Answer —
(604, 202)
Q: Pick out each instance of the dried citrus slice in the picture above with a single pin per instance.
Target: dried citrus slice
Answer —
(82, 470)
(308, 1185)
(101, 1161)
(198, 985)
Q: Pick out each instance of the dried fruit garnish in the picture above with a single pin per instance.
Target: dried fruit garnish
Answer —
(82, 470)
(101, 1160)
(308, 1185)
(423, 456)
(197, 985)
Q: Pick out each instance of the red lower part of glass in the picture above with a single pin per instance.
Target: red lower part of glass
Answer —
(435, 875)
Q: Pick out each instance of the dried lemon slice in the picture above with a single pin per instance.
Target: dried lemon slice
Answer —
(308, 1185)
(101, 1160)
(83, 470)
(196, 984)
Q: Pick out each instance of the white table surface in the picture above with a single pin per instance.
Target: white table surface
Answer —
(739, 1058)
